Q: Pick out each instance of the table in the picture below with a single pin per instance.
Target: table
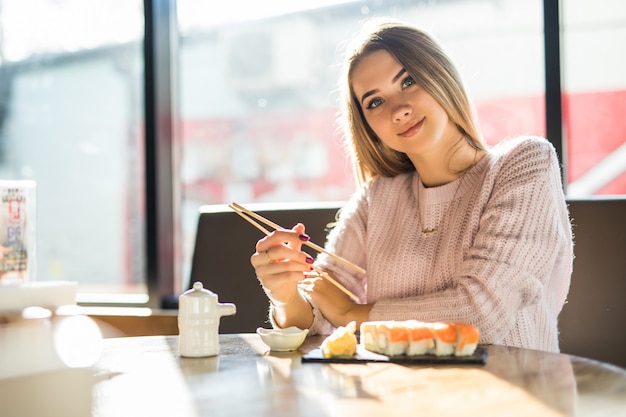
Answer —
(145, 376)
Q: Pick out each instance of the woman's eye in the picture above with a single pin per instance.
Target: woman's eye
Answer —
(407, 82)
(374, 103)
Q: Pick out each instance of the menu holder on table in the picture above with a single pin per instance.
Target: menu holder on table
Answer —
(17, 231)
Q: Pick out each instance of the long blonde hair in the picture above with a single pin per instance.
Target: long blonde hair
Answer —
(423, 58)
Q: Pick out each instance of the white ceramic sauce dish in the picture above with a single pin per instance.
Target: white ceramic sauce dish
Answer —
(283, 340)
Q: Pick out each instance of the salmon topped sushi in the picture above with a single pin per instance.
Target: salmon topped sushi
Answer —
(369, 336)
(414, 338)
(445, 338)
(467, 337)
(386, 337)
(421, 338)
(396, 337)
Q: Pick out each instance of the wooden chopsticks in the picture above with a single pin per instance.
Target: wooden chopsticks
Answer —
(251, 216)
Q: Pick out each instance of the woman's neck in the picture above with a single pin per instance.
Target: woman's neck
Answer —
(439, 168)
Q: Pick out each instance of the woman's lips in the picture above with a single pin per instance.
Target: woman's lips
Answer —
(412, 128)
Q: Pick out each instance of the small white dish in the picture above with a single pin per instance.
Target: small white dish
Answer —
(283, 340)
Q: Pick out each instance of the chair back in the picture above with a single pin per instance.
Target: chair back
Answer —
(592, 321)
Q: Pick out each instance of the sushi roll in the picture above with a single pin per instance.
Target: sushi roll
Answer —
(467, 337)
(369, 336)
(385, 337)
(413, 338)
(393, 337)
(445, 338)
(421, 338)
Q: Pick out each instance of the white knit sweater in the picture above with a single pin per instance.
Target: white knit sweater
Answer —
(500, 257)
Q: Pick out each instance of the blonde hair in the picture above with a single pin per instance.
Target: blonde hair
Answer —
(423, 58)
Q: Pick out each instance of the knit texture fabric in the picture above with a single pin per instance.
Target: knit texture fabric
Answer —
(500, 257)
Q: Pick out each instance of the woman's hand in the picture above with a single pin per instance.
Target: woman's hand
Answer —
(280, 264)
(336, 306)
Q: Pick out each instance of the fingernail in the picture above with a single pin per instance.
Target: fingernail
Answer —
(309, 260)
(304, 238)
(311, 269)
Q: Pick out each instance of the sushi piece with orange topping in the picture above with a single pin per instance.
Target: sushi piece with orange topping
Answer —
(421, 338)
(393, 337)
(467, 337)
(386, 337)
(445, 338)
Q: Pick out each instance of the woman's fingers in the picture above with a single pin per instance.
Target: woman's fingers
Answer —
(280, 280)
(302, 237)
(280, 263)
(293, 238)
(282, 245)
(282, 254)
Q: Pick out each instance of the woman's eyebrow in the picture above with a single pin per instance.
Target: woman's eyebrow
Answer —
(398, 75)
(393, 81)
(369, 93)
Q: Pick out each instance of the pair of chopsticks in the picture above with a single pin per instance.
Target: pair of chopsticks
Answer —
(251, 216)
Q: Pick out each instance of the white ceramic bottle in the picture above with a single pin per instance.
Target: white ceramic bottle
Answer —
(199, 315)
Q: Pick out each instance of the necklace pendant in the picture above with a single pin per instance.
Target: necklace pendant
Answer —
(429, 230)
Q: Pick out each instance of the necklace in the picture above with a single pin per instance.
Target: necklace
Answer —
(429, 230)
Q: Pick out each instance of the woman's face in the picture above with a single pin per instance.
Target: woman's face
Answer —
(401, 113)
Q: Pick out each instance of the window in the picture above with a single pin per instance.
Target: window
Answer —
(71, 118)
(594, 38)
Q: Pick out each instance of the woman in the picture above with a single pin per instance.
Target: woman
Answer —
(447, 229)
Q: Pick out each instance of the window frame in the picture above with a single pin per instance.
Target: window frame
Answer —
(162, 179)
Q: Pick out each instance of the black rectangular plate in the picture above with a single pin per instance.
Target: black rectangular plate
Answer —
(362, 355)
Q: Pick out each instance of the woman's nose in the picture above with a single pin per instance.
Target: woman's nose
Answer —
(401, 113)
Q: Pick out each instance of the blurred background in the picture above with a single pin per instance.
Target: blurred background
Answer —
(130, 115)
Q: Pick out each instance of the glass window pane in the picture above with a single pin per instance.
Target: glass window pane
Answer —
(594, 68)
(71, 119)
(258, 89)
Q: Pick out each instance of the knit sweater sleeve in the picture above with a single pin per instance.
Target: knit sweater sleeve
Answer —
(518, 238)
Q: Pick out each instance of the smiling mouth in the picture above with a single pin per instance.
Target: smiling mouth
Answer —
(412, 128)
